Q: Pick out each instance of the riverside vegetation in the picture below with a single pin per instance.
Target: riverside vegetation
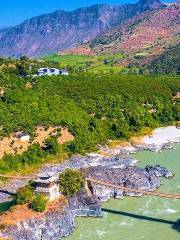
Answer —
(94, 108)
(70, 183)
(25, 195)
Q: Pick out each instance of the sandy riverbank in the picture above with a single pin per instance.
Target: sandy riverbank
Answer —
(161, 138)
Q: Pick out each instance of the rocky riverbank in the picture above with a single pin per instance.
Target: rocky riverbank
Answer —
(53, 225)
(146, 179)
(75, 162)
(161, 138)
(116, 168)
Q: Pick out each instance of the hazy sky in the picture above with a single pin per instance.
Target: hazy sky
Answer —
(13, 12)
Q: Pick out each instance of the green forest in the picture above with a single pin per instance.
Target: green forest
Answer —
(166, 63)
(95, 108)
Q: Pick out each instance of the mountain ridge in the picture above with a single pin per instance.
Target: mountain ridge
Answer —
(145, 36)
(61, 30)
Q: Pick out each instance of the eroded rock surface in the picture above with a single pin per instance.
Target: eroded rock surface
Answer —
(117, 170)
(53, 225)
(131, 177)
(159, 171)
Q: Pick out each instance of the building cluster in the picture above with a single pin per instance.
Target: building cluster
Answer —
(51, 72)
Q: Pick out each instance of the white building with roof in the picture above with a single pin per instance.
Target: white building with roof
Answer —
(24, 137)
(51, 72)
(64, 72)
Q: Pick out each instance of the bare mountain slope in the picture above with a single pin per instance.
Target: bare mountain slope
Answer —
(148, 34)
(61, 30)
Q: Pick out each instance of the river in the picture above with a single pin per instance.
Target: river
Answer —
(144, 218)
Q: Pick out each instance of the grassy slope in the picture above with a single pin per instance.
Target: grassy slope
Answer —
(91, 63)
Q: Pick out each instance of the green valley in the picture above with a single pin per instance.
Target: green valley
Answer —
(90, 63)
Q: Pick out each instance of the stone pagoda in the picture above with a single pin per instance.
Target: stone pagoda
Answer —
(47, 184)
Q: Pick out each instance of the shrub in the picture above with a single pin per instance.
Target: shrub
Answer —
(24, 195)
(51, 146)
(71, 181)
(39, 203)
(72, 147)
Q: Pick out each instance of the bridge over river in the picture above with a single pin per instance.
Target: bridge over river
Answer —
(157, 194)
(103, 183)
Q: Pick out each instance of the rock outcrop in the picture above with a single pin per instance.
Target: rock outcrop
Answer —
(53, 225)
(159, 171)
(130, 177)
(75, 162)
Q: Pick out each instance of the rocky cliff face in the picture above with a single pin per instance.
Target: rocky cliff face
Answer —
(62, 30)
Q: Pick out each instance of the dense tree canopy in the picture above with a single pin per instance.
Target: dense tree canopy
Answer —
(94, 108)
(71, 181)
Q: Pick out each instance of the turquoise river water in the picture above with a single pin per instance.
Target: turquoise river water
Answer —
(145, 218)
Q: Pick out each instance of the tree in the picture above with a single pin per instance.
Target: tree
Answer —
(39, 203)
(72, 147)
(24, 58)
(92, 124)
(24, 195)
(51, 146)
(21, 70)
(71, 181)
